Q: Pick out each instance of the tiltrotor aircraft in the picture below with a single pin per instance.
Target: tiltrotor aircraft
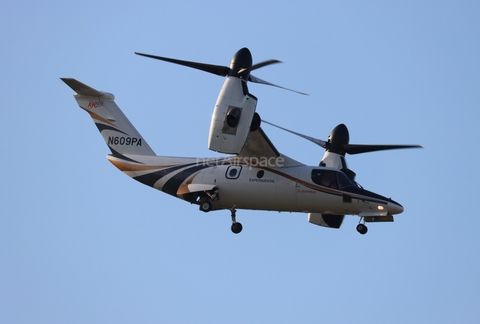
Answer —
(253, 174)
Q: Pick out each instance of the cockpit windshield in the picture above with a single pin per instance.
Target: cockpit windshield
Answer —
(331, 178)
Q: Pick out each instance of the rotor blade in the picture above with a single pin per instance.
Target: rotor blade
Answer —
(215, 69)
(259, 65)
(311, 139)
(253, 79)
(362, 148)
(264, 63)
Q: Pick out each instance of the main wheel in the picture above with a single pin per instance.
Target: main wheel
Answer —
(237, 228)
(206, 206)
(362, 229)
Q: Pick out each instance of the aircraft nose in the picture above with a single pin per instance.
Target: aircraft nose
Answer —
(394, 208)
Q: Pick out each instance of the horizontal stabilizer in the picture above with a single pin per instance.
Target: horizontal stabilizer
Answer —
(81, 88)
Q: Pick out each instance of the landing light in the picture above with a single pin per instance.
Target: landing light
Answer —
(380, 207)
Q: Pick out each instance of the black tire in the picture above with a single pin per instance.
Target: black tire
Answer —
(362, 229)
(206, 206)
(237, 228)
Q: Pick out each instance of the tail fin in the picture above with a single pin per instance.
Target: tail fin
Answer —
(117, 131)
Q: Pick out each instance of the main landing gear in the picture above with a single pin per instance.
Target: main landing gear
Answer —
(361, 227)
(207, 204)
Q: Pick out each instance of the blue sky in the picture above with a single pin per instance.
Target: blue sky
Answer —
(82, 243)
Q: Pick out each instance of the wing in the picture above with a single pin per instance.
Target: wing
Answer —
(259, 146)
(259, 150)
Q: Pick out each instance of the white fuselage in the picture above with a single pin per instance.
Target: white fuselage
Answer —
(243, 186)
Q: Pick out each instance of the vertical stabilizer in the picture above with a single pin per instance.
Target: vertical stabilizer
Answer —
(117, 131)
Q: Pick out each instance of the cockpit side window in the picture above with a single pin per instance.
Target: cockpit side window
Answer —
(343, 180)
(316, 176)
(326, 178)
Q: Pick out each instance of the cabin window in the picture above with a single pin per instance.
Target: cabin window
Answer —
(233, 172)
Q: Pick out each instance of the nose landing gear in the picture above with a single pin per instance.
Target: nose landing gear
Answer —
(236, 226)
(361, 227)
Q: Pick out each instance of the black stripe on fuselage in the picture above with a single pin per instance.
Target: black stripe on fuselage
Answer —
(171, 186)
(151, 178)
(119, 156)
(355, 192)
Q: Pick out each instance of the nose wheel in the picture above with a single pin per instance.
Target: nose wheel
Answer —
(361, 227)
(236, 226)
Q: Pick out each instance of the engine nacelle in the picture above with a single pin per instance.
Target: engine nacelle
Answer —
(232, 117)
